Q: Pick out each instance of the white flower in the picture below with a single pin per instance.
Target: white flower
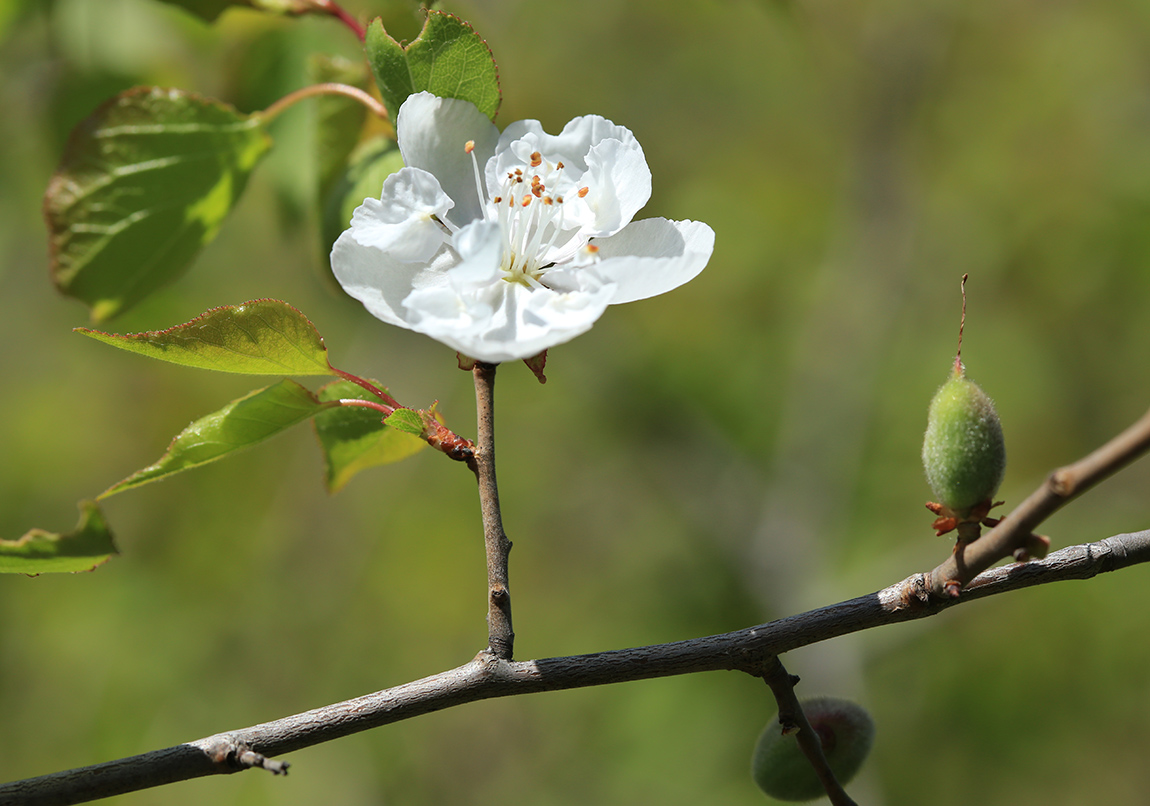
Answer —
(502, 245)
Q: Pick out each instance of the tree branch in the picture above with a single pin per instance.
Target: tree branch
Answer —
(500, 635)
(487, 677)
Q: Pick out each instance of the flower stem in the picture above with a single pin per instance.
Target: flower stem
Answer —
(367, 404)
(500, 636)
(329, 88)
(387, 399)
(334, 9)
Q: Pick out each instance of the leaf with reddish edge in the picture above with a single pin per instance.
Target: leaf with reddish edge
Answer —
(240, 424)
(354, 438)
(84, 548)
(144, 183)
(260, 337)
(447, 59)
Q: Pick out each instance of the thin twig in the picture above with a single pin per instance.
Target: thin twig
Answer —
(1061, 486)
(500, 635)
(487, 677)
(792, 719)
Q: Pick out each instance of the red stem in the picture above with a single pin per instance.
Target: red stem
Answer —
(355, 401)
(369, 386)
(332, 8)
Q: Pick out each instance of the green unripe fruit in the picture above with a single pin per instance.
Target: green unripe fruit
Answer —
(963, 452)
(783, 772)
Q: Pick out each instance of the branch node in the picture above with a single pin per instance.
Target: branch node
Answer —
(1062, 482)
(236, 756)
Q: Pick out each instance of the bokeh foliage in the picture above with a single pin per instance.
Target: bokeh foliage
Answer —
(736, 451)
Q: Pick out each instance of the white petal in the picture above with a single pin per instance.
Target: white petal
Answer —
(619, 183)
(432, 133)
(381, 282)
(480, 249)
(573, 143)
(508, 321)
(653, 256)
(400, 221)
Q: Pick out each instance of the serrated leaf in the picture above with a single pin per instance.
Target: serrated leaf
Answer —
(238, 425)
(447, 59)
(39, 552)
(353, 438)
(259, 337)
(372, 162)
(144, 184)
(405, 420)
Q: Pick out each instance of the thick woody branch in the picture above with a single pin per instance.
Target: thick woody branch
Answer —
(1060, 487)
(500, 635)
(487, 677)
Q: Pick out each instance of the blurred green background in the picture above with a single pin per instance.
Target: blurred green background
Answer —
(739, 450)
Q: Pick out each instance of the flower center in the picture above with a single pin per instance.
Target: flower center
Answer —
(530, 215)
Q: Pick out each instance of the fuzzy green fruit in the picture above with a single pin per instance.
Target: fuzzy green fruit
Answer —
(963, 452)
(783, 772)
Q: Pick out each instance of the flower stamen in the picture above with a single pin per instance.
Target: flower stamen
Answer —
(531, 223)
(469, 149)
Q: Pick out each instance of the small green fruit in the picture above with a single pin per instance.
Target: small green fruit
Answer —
(783, 772)
(963, 452)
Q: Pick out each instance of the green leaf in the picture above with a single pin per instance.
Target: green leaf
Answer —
(447, 59)
(353, 438)
(38, 552)
(210, 9)
(405, 420)
(372, 162)
(144, 184)
(338, 119)
(207, 9)
(260, 337)
(238, 425)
